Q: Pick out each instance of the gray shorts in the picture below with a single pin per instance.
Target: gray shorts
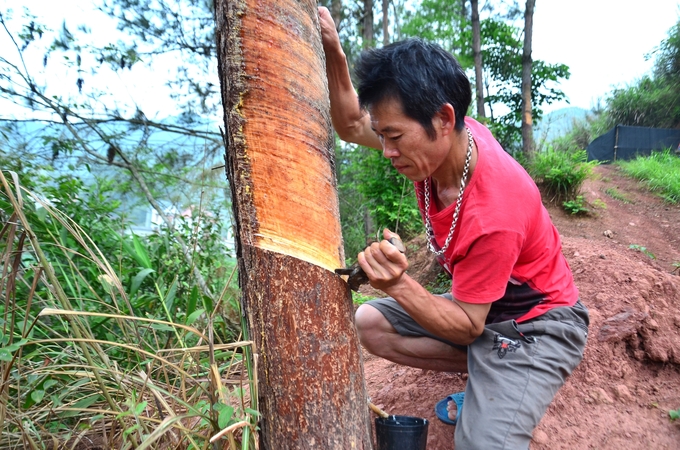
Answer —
(514, 369)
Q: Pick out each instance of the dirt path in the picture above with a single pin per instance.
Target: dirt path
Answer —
(619, 396)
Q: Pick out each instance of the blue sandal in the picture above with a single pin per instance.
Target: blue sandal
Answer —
(442, 411)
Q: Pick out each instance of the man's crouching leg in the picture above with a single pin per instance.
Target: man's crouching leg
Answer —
(386, 330)
(373, 330)
(515, 372)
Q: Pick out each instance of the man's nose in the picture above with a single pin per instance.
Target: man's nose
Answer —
(389, 151)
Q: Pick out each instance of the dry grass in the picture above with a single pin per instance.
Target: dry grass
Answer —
(97, 377)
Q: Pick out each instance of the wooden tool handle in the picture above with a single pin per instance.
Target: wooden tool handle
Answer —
(378, 411)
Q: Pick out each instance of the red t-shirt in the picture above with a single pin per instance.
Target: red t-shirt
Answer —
(505, 248)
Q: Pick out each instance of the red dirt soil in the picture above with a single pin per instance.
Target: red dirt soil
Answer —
(620, 395)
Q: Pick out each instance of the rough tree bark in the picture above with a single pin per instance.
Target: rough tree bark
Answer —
(477, 54)
(527, 121)
(280, 165)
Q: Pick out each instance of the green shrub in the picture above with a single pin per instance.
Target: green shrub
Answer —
(575, 206)
(561, 173)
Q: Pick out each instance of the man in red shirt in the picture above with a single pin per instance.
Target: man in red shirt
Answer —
(513, 320)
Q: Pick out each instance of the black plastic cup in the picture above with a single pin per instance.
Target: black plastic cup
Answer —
(401, 433)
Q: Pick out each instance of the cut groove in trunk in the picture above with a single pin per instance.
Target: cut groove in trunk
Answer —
(281, 169)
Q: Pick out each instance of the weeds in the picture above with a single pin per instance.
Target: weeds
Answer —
(85, 353)
(617, 195)
(441, 284)
(660, 171)
(576, 206)
(641, 249)
(599, 203)
(359, 299)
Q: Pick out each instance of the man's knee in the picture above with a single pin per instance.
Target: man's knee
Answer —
(371, 325)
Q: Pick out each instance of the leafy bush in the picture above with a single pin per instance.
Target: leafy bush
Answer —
(575, 206)
(561, 173)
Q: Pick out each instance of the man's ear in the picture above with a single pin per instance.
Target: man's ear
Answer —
(446, 119)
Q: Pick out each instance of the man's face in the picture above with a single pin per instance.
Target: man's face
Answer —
(405, 141)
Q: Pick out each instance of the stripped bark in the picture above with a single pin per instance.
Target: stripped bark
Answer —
(280, 164)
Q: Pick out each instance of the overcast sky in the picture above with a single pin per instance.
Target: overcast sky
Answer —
(604, 43)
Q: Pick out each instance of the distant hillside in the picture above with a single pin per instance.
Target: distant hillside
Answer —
(557, 123)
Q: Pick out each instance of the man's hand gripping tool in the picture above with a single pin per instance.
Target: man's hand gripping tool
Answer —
(356, 274)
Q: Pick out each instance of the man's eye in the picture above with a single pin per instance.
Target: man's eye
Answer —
(395, 138)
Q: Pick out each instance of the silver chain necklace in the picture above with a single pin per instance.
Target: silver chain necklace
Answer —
(428, 225)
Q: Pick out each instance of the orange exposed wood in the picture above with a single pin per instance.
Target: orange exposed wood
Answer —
(287, 133)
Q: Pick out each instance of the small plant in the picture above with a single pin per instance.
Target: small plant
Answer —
(676, 267)
(617, 195)
(642, 249)
(599, 203)
(674, 414)
(576, 206)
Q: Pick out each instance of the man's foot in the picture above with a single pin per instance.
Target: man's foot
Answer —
(450, 408)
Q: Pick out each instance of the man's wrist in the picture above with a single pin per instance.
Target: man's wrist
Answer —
(405, 286)
(335, 53)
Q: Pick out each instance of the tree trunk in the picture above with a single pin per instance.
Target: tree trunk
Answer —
(280, 166)
(462, 24)
(386, 22)
(368, 24)
(336, 13)
(527, 122)
(477, 53)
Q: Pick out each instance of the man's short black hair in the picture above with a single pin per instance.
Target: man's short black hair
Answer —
(421, 75)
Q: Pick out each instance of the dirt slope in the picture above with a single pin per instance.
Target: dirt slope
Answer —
(620, 395)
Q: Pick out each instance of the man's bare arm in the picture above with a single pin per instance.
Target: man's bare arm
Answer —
(455, 320)
(350, 122)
